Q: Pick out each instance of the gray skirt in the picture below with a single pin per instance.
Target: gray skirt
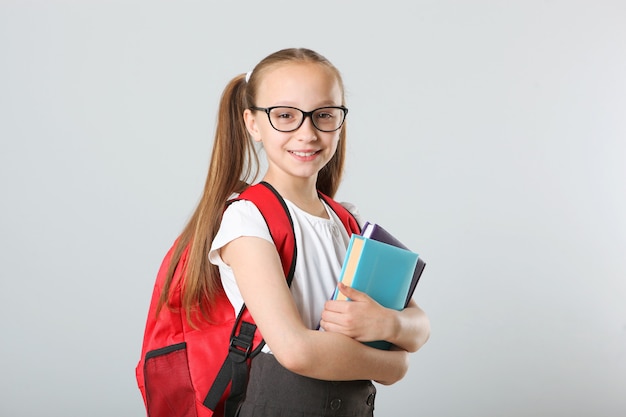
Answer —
(274, 391)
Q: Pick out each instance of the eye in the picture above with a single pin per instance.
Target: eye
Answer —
(284, 113)
(325, 114)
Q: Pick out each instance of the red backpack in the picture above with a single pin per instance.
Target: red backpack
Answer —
(203, 371)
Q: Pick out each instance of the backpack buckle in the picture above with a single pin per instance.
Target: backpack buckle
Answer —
(240, 347)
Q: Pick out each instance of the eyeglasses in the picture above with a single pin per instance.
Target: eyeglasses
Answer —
(288, 119)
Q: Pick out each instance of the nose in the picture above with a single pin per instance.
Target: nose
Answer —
(307, 131)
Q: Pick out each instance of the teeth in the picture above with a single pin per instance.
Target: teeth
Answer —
(303, 154)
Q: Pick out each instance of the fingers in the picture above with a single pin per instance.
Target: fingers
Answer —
(329, 326)
(351, 293)
(337, 327)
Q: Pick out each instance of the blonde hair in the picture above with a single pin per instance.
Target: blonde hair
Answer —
(233, 166)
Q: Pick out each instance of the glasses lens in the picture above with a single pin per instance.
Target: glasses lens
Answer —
(328, 119)
(285, 119)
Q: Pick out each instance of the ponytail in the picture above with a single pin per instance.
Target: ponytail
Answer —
(234, 164)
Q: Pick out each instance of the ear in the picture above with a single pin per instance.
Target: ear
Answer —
(250, 120)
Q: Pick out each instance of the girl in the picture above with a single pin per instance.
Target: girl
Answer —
(292, 104)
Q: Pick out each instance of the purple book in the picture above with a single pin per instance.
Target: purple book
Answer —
(377, 232)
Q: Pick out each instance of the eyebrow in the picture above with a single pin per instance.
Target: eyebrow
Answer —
(319, 105)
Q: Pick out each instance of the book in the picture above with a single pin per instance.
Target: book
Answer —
(377, 232)
(381, 270)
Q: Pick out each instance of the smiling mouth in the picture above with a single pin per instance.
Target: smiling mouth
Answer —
(304, 154)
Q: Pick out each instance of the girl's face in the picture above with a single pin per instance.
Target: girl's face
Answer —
(300, 154)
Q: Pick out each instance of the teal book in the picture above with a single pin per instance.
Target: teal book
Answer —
(382, 271)
(377, 232)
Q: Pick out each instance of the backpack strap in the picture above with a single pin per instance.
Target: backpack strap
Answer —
(236, 365)
(347, 218)
(276, 214)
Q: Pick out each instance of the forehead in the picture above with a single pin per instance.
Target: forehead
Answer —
(299, 84)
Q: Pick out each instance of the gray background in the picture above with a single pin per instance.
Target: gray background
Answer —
(489, 136)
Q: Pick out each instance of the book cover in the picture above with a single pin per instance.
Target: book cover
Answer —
(381, 270)
(377, 232)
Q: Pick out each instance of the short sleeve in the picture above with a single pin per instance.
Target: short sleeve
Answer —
(241, 218)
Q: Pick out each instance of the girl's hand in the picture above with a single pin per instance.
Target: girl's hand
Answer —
(362, 319)
(365, 320)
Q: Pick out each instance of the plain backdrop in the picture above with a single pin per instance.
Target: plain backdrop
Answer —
(490, 136)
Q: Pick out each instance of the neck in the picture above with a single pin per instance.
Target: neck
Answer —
(301, 193)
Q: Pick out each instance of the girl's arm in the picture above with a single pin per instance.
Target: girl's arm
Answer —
(365, 320)
(316, 354)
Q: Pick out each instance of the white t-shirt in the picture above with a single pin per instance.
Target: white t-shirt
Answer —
(321, 247)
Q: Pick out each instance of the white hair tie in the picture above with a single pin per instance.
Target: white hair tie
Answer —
(248, 74)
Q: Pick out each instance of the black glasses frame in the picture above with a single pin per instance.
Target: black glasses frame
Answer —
(305, 114)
